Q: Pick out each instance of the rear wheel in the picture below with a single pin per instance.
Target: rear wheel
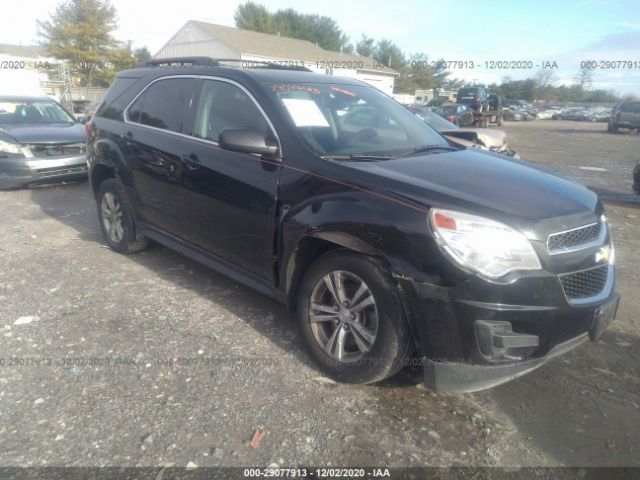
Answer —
(116, 219)
(351, 318)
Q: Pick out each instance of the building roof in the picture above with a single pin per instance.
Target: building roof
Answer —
(276, 46)
(24, 51)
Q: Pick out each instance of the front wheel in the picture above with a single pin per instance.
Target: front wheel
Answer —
(351, 318)
(116, 219)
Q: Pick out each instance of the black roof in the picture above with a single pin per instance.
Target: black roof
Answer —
(262, 73)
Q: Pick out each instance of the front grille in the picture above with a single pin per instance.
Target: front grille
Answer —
(58, 150)
(586, 283)
(562, 241)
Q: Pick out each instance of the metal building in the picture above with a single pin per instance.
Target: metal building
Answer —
(217, 41)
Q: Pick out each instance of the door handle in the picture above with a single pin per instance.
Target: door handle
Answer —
(191, 161)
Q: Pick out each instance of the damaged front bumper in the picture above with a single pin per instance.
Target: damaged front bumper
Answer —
(469, 345)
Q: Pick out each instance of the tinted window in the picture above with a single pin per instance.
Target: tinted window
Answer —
(224, 105)
(135, 110)
(117, 97)
(630, 107)
(164, 104)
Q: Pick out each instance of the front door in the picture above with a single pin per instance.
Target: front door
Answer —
(230, 197)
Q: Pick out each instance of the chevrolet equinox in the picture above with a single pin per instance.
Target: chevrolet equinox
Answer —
(389, 242)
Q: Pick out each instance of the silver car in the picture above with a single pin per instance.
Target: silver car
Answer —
(39, 142)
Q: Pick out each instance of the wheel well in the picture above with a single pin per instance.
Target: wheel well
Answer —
(99, 174)
(307, 252)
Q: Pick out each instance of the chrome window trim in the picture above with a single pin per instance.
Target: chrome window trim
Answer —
(583, 246)
(604, 293)
(125, 114)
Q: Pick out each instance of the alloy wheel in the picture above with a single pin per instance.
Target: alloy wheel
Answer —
(343, 316)
(111, 211)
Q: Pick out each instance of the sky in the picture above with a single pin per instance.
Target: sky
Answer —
(567, 31)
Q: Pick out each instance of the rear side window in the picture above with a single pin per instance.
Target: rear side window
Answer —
(630, 107)
(116, 98)
(224, 105)
(163, 104)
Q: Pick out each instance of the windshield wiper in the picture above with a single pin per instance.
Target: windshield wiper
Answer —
(428, 148)
(359, 156)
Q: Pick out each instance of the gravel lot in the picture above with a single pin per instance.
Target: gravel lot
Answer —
(238, 365)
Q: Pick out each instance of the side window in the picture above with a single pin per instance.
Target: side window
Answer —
(629, 108)
(224, 105)
(135, 110)
(163, 104)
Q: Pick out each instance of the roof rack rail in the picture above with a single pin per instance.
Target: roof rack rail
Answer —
(180, 61)
(218, 62)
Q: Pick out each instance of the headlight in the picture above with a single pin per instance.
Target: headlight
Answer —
(13, 149)
(488, 247)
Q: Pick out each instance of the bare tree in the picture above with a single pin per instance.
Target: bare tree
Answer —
(584, 78)
(545, 77)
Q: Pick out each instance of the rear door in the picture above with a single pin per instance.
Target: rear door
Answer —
(636, 118)
(228, 197)
(627, 115)
(155, 144)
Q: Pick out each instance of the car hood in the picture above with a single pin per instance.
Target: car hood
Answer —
(520, 194)
(47, 133)
(485, 136)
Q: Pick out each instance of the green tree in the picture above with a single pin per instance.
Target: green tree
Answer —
(121, 57)
(142, 54)
(321, 30)
(253, 16)
(81, 31)
(418, 74)
(366, 46)
(390, 55)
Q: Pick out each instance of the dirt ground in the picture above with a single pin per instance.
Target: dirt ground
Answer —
(95, 334)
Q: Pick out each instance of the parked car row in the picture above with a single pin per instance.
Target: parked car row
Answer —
(490, 139)
(592, 114)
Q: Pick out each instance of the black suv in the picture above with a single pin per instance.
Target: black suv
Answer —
(473, 97)
(389, 242)
(625, 115)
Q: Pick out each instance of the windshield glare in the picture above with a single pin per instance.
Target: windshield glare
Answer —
(24, 111)
(435, 121)
(352, 120)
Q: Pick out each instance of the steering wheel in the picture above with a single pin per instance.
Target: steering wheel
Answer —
(366, 135)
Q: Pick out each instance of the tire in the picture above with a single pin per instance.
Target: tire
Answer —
(387, 333)
(116, 219)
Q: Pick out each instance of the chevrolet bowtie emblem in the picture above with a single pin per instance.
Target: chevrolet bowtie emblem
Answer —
(603, 254)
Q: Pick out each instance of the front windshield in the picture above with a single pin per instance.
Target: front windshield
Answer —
(26, 111)
(352, 120)
(435, 121)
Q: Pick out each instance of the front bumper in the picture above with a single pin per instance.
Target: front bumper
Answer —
(533, 321)
(18, 172)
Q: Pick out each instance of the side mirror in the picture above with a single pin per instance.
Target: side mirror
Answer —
(246, 140)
